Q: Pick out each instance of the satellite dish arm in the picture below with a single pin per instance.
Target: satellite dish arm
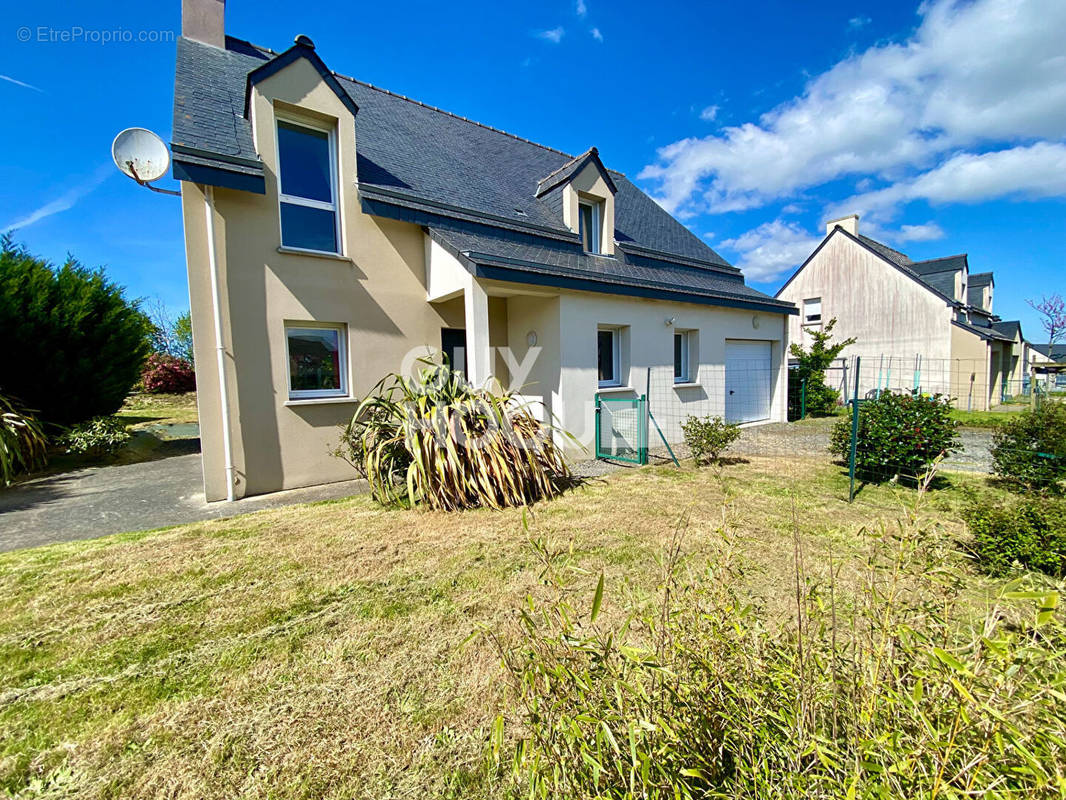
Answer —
(147, 185)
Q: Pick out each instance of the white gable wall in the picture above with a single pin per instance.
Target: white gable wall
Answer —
(888, 312)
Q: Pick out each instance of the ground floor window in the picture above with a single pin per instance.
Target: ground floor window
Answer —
(318, 358)
(608, 356)
(682, 355)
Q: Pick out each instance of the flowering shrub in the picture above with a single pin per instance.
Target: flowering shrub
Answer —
(167, 374)
(899, 435)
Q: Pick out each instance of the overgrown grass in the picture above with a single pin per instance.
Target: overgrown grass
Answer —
(318, 651)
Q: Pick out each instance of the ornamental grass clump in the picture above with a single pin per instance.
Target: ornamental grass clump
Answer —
(891, 688)
(23, 445)
(437, 442)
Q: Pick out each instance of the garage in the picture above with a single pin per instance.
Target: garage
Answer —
(748, 381)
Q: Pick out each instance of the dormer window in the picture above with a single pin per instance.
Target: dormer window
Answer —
(590, 225)
(308, 187)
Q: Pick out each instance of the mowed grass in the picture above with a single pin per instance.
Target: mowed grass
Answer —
(324, 651)
(153, 409)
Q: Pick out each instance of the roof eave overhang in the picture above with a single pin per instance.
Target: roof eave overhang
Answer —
(218, 177)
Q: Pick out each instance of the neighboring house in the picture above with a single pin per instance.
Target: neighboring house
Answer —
(335, 231)
(918, 324)
(1049, 353)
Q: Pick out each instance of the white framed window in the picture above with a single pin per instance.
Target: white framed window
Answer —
(590, 224)
(307, 186)
(682, 356)
(609, 356)
(812, 311)
(317, 358)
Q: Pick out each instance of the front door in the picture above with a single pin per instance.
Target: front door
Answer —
(453, 343)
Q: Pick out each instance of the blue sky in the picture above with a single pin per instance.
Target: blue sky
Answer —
(943, 124)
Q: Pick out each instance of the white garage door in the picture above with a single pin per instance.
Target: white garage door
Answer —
(747, 381)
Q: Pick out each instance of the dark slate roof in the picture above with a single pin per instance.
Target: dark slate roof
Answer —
(1010, 328)
(942, 264)
(883, 250)
(417, 159)
(980, 279)
(498, 253)
(1056, 352)
(983, 332)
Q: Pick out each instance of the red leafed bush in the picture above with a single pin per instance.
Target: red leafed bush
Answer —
(167, 374)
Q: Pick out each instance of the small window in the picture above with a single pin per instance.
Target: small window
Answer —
(682, 352)
(318, 361)
(812, 311)
(608, 357)
(307, 187)
(589, 225)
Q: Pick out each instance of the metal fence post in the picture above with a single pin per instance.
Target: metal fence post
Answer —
(854, 434)
(803, 398)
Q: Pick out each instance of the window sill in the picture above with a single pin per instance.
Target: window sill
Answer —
(687, 385)
(614, 389)
(320, 401)
(296, 251)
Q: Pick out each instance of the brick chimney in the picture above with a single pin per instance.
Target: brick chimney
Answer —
(204, 21)
(850, 223)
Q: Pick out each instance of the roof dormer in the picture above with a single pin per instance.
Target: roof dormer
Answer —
(585, 190)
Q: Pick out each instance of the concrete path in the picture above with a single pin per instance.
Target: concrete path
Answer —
(98, 501)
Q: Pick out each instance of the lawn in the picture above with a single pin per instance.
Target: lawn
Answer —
(323, 651)
(140, 410)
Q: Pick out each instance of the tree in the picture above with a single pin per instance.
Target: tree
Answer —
(73, 344)
(171, 336)
(812, 366)
(1053, 310)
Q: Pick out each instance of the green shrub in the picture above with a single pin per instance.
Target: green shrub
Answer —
(820, 400)
(899, 436)
(703, 693)
(436, 441)
(1029, 533)
(22, 442)
(1030, 448)
(708, 437)
(73, 345)
(98, 437)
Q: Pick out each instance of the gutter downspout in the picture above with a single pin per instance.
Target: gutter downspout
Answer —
(220, 350)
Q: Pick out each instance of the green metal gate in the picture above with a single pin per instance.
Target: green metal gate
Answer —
(622, 429)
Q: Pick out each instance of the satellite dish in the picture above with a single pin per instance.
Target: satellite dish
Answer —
(141, 155)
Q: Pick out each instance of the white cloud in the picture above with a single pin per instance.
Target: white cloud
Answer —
(554, 35)
(709, 113)
(859, 22)
(772, 250)
(581, 8)
(596, 34)
(926, 232)
(62, 203)
(1036, 171)
(974, 75)
(24, 85)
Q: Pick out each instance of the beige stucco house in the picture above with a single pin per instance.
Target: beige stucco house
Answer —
(918, 324)
(336, 231)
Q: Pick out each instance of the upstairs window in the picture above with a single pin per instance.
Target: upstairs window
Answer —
(308, 187)
(812, 311)
(590, 223)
